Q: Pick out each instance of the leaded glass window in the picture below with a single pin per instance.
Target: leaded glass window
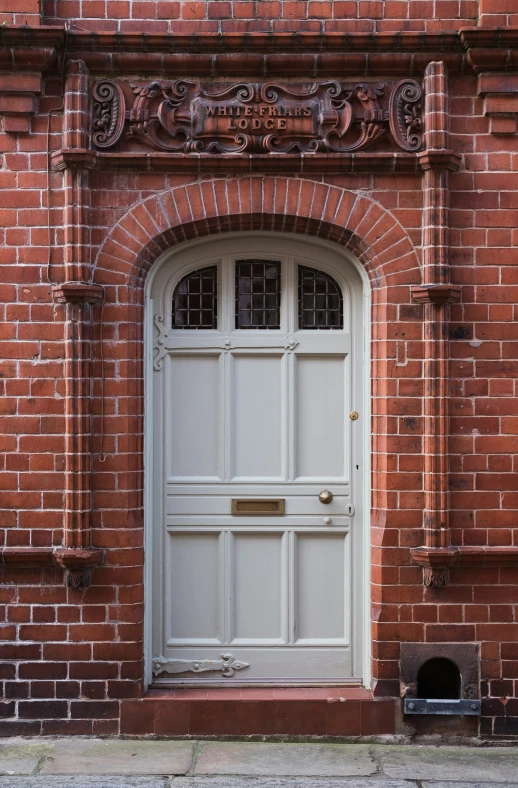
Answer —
(195, 300)
(320, 300)
(258, 294)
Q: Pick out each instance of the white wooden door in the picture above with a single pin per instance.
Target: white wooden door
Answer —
(255, 578)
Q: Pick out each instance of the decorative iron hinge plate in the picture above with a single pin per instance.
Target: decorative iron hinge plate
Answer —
(226, 665)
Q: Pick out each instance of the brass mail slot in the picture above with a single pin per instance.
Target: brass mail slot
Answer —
(251, 506)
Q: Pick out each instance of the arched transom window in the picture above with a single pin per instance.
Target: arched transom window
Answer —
(258, 297)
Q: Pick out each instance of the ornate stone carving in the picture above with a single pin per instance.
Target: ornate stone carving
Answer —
(226, 665)
(405, 114)
(188, 116)
(109, 113)
(159, 346)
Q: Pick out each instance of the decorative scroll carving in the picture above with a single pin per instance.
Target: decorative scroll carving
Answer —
(187, 116)
(405, 114)
(159, 347)
(226, 665)
(109, 113)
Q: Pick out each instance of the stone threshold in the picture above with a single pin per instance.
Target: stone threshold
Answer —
(258, 711)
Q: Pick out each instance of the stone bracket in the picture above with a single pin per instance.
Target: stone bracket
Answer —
(435, 294)
(19, 94)
(77, 564)
(78, 293)
(436, 561)
(74, 159)
(439, 160)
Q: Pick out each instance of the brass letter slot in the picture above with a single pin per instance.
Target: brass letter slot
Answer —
(251, 506)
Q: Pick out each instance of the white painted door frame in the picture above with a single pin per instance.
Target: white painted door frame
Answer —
(182, 257)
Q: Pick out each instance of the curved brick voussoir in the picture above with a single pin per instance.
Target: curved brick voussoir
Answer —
(306, 207)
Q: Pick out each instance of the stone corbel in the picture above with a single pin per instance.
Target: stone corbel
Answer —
(437, 561)
(439, 160)
(435, 294)
(500, 93)
(77, 565)
(19, 95)
(78, 293)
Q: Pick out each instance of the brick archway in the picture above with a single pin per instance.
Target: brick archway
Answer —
(351, 219)
(274, 204)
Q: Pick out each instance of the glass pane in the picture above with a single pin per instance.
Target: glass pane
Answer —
(320, 300)
(258, 294)
(195, 300)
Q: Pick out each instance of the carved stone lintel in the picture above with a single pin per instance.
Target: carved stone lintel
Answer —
(439, 160)
(78, 293)
(436, 294)
(77, 565)
(193, 117)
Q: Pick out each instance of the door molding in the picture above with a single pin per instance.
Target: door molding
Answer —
(361, 583)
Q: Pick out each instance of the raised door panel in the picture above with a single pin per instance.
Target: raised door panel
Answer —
(192, 416)
(193, 582)
(256, 400)
(320, 450)
(258, 588)
(321, 587)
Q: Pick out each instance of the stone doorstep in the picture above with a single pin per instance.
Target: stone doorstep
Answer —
(295, 711)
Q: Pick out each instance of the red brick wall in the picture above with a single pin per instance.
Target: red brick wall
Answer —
(20, 12)
(197, 16)
(69, 658)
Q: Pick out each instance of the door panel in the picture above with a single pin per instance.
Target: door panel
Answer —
(193, 581)
(192, 411)
(256, 397)
(320, 407)
(254, 414)
(321, 586)
(258, 591)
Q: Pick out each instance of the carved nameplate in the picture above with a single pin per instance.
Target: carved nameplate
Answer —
(190, 117)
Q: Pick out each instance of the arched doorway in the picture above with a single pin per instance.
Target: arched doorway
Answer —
(257, 365)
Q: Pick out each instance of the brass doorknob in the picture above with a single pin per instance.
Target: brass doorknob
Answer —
(325, 496)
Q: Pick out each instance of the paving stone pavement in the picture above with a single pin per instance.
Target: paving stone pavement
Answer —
(138, 763)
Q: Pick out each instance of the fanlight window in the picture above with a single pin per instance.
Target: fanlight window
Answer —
(195, 300)
(258, 294)
(320, 300)
(257, 298)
